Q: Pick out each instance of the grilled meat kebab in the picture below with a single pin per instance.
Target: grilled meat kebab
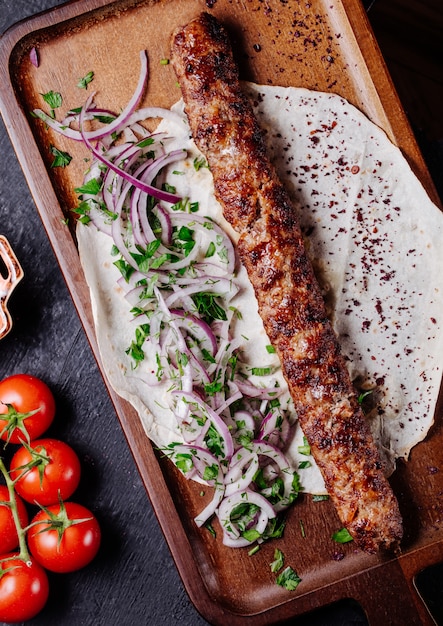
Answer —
(290, 302)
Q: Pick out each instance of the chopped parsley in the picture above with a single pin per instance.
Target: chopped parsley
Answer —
(92, 187)
(305, 448)
(208, 307)
(278, 562)
(304, 464)
(261, 371)
(84, 82)
(288, 577)
(61, 159)
(342, 536)
(200, 162)
(320, 498)
(53, 99)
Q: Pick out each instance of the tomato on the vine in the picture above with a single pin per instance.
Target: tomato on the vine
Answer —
(27, 408)
(64, 537)
(24, 589)
(8, 531)
(45, 470)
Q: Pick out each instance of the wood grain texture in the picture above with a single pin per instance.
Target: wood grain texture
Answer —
(288, 45)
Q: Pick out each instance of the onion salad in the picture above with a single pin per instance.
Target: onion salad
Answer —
(178, 273)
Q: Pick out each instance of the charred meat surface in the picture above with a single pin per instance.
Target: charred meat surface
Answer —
(271, 247)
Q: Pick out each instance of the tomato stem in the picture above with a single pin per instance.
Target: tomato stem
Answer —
(24, 552)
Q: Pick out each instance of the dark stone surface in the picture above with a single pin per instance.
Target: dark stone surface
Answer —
(133, 581)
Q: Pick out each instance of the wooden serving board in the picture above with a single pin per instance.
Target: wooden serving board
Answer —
(319, 44)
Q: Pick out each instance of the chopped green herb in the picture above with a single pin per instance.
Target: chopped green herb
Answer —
(320, 498)
(84, 82)
(92, 187)
(251, 535)
(261, 371)
(214, 442)
(245, 438)
(305, 448)
(135, 350)
(275, 528)
(144, 143)
(274, 403)
(61, 159)
(210, 251)
(270, 349)
(184, 462)
(211, 472)
(236, 312)
(211, 529)
(212, 388)
(207, 356)
(208, 307)
(53, 98)
(169, 188)
(185, 234)
(182, 361)
(200, 162)
(288, 579)
(124, 268)
(164, 61)
(304, 464)
(159, 372)
(278, 562)
(243, 514)
(364, 395)
(342, 536)
(82, 210)
(104, 119)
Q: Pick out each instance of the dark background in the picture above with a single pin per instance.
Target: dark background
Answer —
(133, 581)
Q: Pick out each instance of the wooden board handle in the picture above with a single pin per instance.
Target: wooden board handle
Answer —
(389, 595)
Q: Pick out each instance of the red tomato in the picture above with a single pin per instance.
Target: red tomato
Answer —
(55, 471)
(24, 589)
(66, 537)
(8, 531)
(29, 407)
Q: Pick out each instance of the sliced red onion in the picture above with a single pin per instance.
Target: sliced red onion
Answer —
(198, 328)
(209, 225)
(220, 408)
(199, 406)
(67, 132)
(229, 504)
(203, 459)
(274, 429)
(275, 455)
(164, 218)
(153, 191)
(153, 112)
(175, 327)
(264, 393)
(212, 284)
(33, 57)
(124, 116)
(237, 477)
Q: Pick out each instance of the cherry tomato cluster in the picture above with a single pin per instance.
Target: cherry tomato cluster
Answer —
(61, 536)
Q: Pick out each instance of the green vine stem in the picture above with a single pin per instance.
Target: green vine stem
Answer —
(24, 553)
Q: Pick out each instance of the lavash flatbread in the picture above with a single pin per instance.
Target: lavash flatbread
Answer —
(374, 238)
